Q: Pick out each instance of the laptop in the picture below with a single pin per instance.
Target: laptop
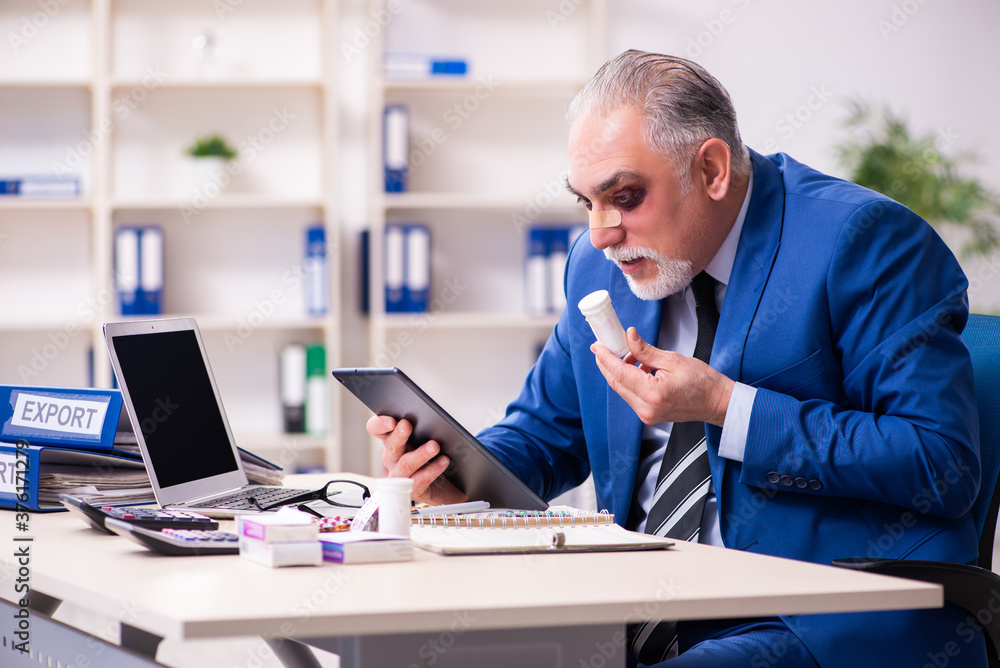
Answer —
(177, 415)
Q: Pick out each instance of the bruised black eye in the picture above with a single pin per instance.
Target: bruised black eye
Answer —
(628, 199)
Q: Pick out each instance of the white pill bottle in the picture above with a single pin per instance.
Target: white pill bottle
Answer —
(600, 314)
(394, 506)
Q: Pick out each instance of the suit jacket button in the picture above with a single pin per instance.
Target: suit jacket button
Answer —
(801, 483)
(815, 485)
(773, 477)
(786, 480)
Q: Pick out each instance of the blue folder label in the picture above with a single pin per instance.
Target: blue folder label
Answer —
(66, 415)
(8, 476)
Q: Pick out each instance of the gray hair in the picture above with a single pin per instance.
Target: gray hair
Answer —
(682, 106)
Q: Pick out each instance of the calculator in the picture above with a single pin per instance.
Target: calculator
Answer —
(178, 542)
(144, 516)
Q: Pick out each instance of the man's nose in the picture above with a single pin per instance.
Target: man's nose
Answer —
(603, 237)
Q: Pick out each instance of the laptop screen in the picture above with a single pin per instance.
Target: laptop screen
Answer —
(175, 406)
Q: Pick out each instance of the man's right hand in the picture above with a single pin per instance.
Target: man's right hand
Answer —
(429, 486)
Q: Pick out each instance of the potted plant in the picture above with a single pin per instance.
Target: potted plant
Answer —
(209, 156)
(883, 155)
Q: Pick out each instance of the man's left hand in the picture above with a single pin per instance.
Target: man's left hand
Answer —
(666, 386)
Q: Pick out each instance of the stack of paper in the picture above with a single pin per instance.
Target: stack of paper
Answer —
(93, 477)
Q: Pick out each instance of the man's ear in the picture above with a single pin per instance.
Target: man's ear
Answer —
(714, 168)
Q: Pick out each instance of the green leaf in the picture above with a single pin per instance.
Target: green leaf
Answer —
(881, 153)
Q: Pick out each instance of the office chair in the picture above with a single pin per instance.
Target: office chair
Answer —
(971, 587)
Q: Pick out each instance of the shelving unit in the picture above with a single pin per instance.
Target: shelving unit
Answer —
(114, 90)
(487, 157)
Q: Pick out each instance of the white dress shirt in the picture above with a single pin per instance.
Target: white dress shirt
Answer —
(679, 332)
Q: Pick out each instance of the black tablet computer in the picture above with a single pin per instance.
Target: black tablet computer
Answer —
(473, 469)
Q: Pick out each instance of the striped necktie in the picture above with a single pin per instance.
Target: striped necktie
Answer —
(683, 482)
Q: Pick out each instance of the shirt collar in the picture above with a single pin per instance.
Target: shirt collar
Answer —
(721, 266)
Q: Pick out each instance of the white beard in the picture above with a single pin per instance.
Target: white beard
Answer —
(671, 275)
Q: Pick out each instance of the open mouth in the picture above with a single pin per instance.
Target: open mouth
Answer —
(630, 265)
(629, 260)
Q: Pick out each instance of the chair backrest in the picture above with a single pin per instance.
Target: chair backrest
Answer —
(982, 336)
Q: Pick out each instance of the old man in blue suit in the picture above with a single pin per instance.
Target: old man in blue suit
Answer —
(834, 403)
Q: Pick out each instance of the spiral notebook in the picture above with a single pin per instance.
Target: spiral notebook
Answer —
(555, 516)
(455, 540)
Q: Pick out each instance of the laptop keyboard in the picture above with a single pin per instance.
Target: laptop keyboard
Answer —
(264, 496)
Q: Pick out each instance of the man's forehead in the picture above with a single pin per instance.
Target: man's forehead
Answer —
(595, 138)
(605, 149)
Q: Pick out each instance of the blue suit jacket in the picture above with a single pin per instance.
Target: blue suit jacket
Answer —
(845, 310)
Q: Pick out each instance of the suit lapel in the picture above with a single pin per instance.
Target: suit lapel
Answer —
(758, 248)
(755, 256)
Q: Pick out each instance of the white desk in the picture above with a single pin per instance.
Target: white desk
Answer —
(458, 599)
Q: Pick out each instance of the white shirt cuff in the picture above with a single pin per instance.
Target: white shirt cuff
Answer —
(734, 431)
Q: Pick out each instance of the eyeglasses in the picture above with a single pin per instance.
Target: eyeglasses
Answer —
(322, 494)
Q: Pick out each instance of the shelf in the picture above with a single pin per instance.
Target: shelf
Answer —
(35, 84)
(562, 204)
(264, 444)
(278, 132)
(469, 84)
(290, 452)
(216, 322)
(471, 320)
(17, 203)
(72, 323)
(223, 83)
(222, 202)
(197, 40)
(278, 323)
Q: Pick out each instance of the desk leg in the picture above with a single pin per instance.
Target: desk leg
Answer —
(564, 647)
(52, 643)
(140, 641)
(292, 654)
(43, 604)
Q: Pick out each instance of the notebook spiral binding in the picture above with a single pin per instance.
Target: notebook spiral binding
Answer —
(517, 520)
